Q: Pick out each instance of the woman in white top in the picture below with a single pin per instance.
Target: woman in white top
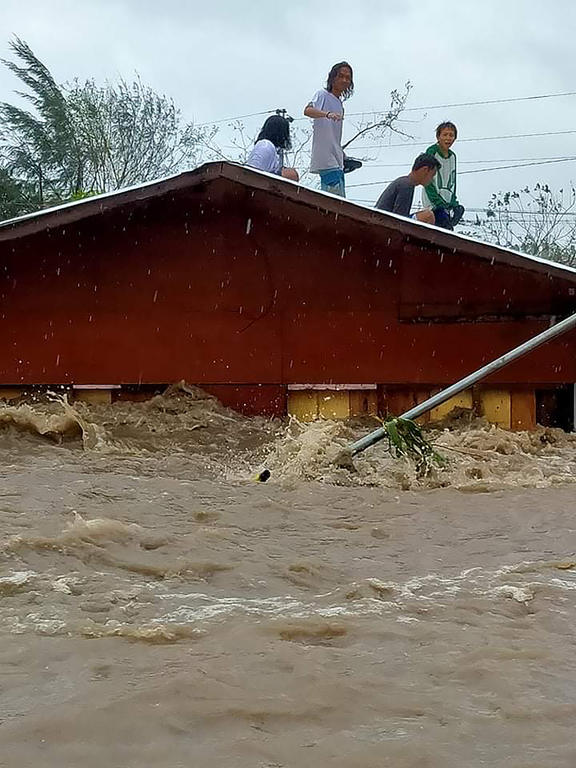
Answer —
(273, 139)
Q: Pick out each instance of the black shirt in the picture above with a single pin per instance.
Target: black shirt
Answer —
(397, 197)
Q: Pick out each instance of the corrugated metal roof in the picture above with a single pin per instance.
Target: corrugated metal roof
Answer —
(415, 231)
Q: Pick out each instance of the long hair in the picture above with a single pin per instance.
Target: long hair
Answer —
(332, 76)
(277, 130)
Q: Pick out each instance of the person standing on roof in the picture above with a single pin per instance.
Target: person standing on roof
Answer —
(399, 194)
(267, 152)
(440, 194)
(327, 111)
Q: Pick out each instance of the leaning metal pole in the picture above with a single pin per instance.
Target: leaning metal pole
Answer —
(459, 386)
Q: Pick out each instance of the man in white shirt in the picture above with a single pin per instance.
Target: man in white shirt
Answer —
(327, 111)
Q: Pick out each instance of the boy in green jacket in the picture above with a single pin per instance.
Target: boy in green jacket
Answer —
(440, 194)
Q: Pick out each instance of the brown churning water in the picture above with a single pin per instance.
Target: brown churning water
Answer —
(159, 608)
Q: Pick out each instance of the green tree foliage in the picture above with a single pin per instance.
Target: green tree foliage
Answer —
(16, 198)
(535, 220)
(129, 134)
(79, 138)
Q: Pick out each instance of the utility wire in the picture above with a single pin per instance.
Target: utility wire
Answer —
(408, 109)
(232, 119)
(513, 212)
(470, 103)
(521, 212)
(507, 212)
(477, 170)
(367, 163)
(521, 165)
(477, 138)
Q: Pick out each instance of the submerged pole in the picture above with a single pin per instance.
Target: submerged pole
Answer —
(468, 381)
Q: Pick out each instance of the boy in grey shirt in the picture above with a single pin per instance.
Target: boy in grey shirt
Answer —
(399, 194)
(328, 113)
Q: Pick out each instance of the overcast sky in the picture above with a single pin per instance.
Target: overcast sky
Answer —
(225, 58)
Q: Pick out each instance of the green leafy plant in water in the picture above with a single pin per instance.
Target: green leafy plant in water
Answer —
(405, 438)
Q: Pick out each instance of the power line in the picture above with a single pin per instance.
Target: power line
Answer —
(477, 170)
(232, 119)
(486, 210)
(471, 103)
(520, 212)
(407, 109)
(472, 162)
(521, 165)
(477, 138)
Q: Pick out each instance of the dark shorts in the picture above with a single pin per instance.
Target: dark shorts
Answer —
(447, 218)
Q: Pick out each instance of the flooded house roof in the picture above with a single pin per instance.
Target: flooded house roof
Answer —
(249, 285)
(278, 189)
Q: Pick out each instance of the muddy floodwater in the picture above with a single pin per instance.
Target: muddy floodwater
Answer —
(161, 609)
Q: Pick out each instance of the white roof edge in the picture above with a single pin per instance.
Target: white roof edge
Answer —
(363, 206)
(90, 199)
(113, 193)
(538, 259)
(415, 222)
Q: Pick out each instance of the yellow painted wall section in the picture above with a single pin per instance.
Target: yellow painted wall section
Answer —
(363, 402)
(333, 405)
(462, 400)
(94, 396)
(496, 406)
(307, 405)
(303, 405)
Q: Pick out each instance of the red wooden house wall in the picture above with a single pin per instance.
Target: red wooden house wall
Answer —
(243, 290)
